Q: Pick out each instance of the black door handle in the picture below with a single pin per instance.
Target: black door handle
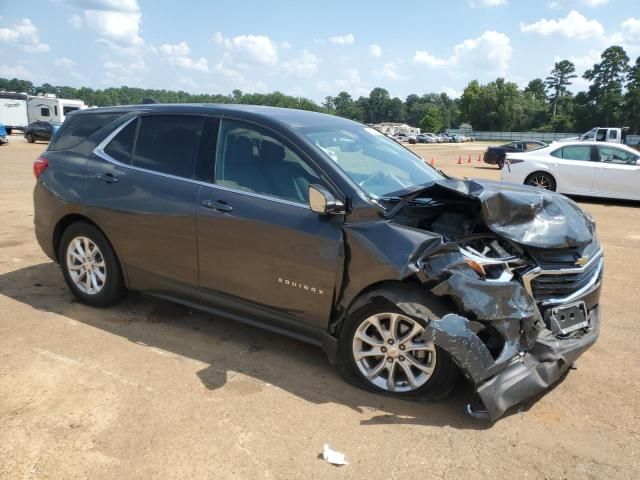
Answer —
(107, 177)
(220, 206)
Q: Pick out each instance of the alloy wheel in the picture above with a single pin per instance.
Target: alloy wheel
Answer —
(390, 353)
(86, 265)
(541, 181)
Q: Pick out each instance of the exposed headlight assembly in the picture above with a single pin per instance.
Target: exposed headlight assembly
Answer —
(494, 260)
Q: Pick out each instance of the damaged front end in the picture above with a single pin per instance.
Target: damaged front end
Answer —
(524, 269)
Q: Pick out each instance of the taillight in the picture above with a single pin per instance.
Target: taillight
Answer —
(39, 166)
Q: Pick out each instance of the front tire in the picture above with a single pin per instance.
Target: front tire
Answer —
(381, 351)
(30, 138)
(500, 162)
(90, 266)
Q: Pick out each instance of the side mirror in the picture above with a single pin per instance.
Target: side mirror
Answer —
(321, 201)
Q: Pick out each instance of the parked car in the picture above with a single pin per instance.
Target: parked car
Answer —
(41, 131)
(326, 230)
(592, 169)
(497, 155)
(425, 138)
(3, 135)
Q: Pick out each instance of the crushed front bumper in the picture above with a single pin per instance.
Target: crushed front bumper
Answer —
(534, 371)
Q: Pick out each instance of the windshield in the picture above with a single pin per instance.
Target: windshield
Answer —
(590, 134)
(375, 162)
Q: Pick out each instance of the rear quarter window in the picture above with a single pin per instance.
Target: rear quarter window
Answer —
(78, 127)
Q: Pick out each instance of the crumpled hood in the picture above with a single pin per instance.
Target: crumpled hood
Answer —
(529, 216)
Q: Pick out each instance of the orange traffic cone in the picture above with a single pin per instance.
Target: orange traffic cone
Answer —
(469, 159)
(460, 160)
(479, 157)
(433, 162)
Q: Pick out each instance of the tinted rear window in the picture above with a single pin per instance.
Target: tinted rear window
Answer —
(168, 144)
(78, 127)
(121, 147)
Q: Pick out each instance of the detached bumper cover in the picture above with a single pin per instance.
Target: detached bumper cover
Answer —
(536, 370)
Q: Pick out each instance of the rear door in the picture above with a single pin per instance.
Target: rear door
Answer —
(618, 174)
(574, 168)
(260, 245)
(143, 194)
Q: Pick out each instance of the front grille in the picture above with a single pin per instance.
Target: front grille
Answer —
(561, 285)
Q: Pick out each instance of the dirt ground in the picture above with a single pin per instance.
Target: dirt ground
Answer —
(149, 389)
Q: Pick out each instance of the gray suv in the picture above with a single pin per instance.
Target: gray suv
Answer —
(326, 230)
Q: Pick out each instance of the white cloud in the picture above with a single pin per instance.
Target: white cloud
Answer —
(116, 22)
(25, 35)
(574, 25)
(347, 39)
(486, 3)
(180, 56)
(375, 50)
(13, 71)
(122, 73)
(258, 48)
(116, 29)
(586, 3)
(390, 70)
(125, 6)
(630, 31)
(64, 62)
(583, 62)
(304, 66)
(490, 52)
(424, 57)
(75, 21)
(451, 92)
(350, 82)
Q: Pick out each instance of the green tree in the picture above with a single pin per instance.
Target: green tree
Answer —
(432, 120)
(607, 79)
(632, 98)
(536, 88)
(558, 81)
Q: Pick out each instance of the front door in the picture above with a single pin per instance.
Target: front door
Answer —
(260, 245)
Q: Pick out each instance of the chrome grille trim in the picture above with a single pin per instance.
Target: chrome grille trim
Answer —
(593, 283)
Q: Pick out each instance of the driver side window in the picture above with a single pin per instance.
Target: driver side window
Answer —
(252, 159)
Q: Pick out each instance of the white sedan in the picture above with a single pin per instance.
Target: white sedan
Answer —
(593, 169)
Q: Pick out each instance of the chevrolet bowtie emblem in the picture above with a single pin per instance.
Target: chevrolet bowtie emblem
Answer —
(582, 261)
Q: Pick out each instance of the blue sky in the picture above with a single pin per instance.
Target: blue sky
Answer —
(304, 48)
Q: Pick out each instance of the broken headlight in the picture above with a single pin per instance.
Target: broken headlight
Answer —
(493, 259)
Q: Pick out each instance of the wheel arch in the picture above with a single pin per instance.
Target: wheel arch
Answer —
(68, 220)
(385, 289)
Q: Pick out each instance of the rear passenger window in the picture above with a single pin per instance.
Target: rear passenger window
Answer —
(121, 147)
(168, 144)
(80, 126)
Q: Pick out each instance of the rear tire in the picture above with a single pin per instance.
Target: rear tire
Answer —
(541, 180)
(500, 162)
(30, 138)
(434, 373)
(90, 266)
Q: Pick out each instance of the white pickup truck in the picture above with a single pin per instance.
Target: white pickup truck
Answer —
(602, 134)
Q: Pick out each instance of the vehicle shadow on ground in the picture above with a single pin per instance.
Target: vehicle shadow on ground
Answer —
(606, 202)
(229, 347)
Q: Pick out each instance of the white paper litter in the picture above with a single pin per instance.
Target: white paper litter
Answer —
(333, 457)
